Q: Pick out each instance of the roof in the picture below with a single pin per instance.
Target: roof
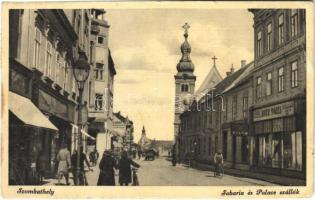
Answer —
(240, 79)
(111, 62)
(121, 117)
(227, 81)
(210, 81)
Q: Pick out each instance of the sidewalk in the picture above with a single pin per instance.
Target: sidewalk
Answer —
(281, 180)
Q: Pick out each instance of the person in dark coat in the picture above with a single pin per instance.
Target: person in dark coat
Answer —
(125, 169)
(107, 173)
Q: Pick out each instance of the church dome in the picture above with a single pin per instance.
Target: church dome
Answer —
(185, 64)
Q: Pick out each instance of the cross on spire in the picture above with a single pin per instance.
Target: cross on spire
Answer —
(186, 27)
(214, 58)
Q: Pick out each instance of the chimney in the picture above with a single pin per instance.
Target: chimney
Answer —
(232, 69)
(243, 63)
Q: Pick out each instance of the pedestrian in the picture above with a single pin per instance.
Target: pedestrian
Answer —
(40, 165)
(107, 169)
(82, 179)
(174, 156)
(63, 158)
(125, 169)
(218, 162)
(92, 158)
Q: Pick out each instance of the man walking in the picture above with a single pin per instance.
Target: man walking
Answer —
(64, 163)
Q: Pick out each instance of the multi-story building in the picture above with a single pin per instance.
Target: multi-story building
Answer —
(279, 82)
(44, 45)
(235, 137)
(123, 127)
(101, 85)
(201, 124)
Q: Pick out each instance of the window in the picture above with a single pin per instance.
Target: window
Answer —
(234, 108)
(20, 33)
(73, 85)
(269, 37)
(245, 107)
(292, 151)
(259, 88)
(269, 84)
(98, 102)
(294, 74)
(184, 88)
(58, 66)
(48, 59)
(91, 51)
(37, 47)
(280, 29)
(280, 79)
(259, 44)
(65, 80)
(99, 71)
(294, 22)
(100, 40)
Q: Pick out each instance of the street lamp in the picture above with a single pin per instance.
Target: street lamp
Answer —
(81, 70)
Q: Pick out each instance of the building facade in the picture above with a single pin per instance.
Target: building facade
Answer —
(279, 96)
(101, 83)
(44, 45)
(123, 127)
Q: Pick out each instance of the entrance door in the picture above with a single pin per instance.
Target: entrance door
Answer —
(233, 150)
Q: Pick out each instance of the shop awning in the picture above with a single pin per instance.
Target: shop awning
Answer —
(27, 112)
(82, 131)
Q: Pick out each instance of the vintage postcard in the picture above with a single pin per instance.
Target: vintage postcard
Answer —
(157, 100)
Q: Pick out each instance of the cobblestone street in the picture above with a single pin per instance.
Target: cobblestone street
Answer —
(160, 172)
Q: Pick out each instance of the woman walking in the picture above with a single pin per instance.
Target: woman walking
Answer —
(107, 173)
(125, 169)
(64, 163)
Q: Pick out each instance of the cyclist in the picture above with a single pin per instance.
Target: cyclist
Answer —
(218, 162)
(82, 178)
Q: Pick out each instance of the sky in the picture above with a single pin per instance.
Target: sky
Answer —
(145, 46)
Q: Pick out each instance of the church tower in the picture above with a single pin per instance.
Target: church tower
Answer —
(184, 82)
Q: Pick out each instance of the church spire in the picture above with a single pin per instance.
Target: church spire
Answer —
(143, 131)
(185, 64)
(214, 58)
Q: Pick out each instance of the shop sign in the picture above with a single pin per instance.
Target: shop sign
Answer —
(275, 111)
(239, 133)
(52, 105)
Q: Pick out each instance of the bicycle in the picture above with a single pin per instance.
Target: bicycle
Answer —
(135, 180)
(219, 171)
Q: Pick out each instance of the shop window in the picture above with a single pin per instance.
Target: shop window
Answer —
(281, 29)
(292, 151)
(265, 157)
(269, 84)
(276, 150)
(294, 22)
(294, 75)
(269, 36)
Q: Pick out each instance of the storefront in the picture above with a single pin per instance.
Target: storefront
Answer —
(279, 138)
(236, 144)
(29, 136)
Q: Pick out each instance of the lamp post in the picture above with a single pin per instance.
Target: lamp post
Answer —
(81, 72)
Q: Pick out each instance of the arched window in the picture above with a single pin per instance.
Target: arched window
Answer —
(184, 87)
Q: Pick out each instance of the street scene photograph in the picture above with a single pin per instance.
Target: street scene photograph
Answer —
(157, 97)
